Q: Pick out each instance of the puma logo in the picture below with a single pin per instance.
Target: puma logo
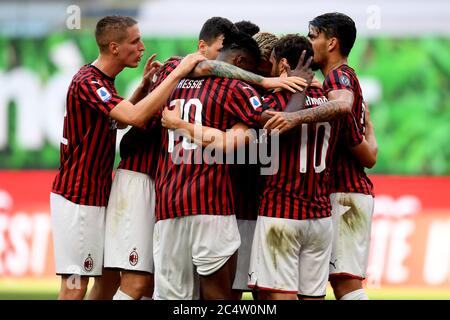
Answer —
(333, 263)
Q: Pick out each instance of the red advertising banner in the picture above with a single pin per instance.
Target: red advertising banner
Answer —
(410, 230)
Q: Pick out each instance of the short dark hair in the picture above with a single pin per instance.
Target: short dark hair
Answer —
(244, 42)
(247, 27)
(112, 28)
(337, 25)
(216, 26)
(291, 47)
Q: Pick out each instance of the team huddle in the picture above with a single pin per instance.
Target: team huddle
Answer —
(240, 172)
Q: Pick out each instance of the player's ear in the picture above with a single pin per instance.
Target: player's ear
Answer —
(332, 44)
(281, 65)
(240, 61)
(113, 48)
(202, 47)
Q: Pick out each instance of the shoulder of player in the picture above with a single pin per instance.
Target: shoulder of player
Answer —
(315, 92)
(240, 85)
(87, 75)
(171, 63)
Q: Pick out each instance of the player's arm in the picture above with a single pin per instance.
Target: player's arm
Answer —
(367, 151)
(230, 140)
(339, 105)
(151, 67)
(226, 70)
(138, 114)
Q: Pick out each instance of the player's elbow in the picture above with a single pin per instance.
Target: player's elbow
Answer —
(346, 107)
(137, 121)
(371, 160)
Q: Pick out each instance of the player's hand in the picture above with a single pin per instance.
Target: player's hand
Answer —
(171, 118)
(316, 83)
(188, 63)
(303, 69)
(292, 84)
(280, 121)
(150, 69)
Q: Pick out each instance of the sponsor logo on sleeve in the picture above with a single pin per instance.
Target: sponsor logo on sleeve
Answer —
(256, 103)
(344, 80)
(103, 94)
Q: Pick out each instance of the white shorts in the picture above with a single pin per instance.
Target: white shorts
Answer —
(190, 246)
(246, 231)
(352, 221)
(78, 237)
(291, 256)
(130, 218)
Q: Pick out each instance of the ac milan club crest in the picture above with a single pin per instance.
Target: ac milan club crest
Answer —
(133, 258)
(88, 263)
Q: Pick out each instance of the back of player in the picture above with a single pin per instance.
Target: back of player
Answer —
(194, 196)
(292, 242)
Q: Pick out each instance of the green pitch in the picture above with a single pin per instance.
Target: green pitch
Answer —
(13, 289)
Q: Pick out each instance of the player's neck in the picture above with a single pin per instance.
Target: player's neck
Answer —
(108, 66)
(333, 63)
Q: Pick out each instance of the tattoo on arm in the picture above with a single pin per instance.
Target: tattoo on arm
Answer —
(329, 111)
(226, 70)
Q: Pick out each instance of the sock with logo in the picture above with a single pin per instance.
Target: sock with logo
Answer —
(120, 295)
(359, 294)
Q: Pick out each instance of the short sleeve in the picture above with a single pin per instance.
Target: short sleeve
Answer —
(98, 96)
(276, 100)
(244, 103)
(337, 80)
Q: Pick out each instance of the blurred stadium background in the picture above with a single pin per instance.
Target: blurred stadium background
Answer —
(401, 56)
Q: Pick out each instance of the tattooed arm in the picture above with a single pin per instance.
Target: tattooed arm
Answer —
(226, 70)
(339, 104)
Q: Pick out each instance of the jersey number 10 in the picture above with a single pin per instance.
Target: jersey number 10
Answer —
(185, 109)
(319, 164)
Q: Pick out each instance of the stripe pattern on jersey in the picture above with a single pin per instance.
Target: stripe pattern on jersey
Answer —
(348, 174)
(182, 187)
(300, 188)
(139, 149)
(87, 147)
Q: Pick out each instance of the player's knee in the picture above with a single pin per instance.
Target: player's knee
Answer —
(73, 287)
(343, 285)
(140, 285)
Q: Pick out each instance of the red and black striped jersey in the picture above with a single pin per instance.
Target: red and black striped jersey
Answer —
(348, 174)
(139, 149)
(87, 147)
(190, 180)
(300, 188)
(246, 179)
